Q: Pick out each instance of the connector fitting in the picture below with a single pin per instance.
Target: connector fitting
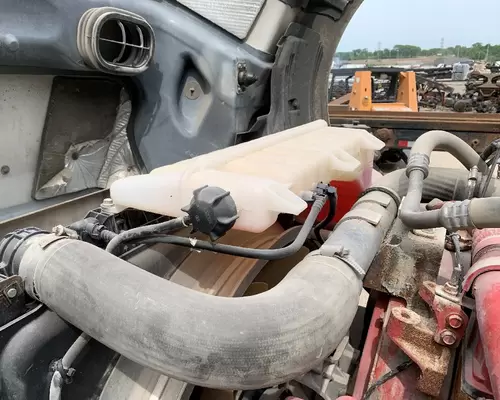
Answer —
(456, 215)
(418, 161)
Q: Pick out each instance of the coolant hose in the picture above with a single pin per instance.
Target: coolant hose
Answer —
(453, 215)
(446, 141)
(235, 343)
(142, 231)
(262, 254)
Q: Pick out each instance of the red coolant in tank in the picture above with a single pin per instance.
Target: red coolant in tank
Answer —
(348, 193)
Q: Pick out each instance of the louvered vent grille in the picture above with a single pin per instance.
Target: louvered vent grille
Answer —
(115, 41)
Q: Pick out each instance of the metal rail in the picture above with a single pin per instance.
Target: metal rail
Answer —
(405, 127)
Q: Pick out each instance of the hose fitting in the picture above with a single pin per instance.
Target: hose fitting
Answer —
(419, 162)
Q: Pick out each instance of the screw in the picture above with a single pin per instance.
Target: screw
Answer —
(455, 321)
(448, 338)
(11, 293)
(4, 170)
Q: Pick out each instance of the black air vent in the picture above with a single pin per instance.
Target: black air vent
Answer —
(115, 41)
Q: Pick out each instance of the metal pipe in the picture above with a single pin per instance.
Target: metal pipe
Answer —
(483, 279)
(452, 216)
(436, 139)
(236, 343)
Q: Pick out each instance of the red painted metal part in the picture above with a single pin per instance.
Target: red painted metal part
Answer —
(370, 347)
(483, 280)
(381, 355)
(475, 372)
(485, 255)
(413, 334)
(487, 293)
(451, 319)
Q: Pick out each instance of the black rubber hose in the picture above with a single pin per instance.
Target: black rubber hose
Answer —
(30, 351)
(233, 343)
(263, 254)
(144, 231)
(490, 173)
(57, 381)
(95, 230)
(329, 218)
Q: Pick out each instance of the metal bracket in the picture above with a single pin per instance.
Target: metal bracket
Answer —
(451, 319)
(412, 334)
(372, 217)
(380, 198)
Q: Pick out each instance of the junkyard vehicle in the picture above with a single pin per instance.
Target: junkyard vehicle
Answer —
(179, 222)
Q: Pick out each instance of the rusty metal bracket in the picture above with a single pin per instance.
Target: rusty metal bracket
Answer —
(412, 334)
(451, 319)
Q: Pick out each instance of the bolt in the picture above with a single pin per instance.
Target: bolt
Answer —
(107, 202)
(455, 321)
(448, 338)
(4, 170)
(58, 230)
(450, 288)
(11, 293)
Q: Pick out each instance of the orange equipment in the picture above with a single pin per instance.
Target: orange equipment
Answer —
(361, 94)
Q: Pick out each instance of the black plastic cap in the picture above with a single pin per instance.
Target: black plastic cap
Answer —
(212, 211)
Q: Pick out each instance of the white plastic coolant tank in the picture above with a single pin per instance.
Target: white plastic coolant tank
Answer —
(265, 176)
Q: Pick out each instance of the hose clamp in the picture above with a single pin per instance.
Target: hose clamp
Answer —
(380, 189)
(343, 254)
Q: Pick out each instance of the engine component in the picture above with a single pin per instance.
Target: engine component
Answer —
(212, 211)
(331, 291)
(453, 216)
(483, 279)
(13, 246)
(410, 333)
(12, 298)
(140, 232)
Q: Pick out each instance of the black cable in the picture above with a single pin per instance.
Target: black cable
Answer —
(145, 231)
(332, 197)
(490, 173)
(387, 377)
(264, 254)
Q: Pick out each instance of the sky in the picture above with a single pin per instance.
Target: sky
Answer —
(422, 23)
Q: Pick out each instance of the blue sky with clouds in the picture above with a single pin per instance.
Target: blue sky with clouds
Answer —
(422, 23)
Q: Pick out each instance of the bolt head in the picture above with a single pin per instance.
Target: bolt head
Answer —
(4, 170)
(448, 338)
(455, 321)
(11, 293)
(107, 202)
(58, 230)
